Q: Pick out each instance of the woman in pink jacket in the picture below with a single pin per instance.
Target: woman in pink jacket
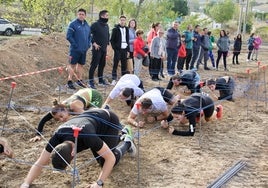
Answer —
(257, 42)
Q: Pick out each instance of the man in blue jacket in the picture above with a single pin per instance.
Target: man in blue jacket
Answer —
(78, 34)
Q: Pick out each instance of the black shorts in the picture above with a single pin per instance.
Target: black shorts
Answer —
(77, 57)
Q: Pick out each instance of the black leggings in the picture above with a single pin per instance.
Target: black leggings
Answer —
(167, 96)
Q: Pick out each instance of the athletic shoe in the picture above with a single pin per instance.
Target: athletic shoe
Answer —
(103, 83)
(107, 107)
(128, 137)
(113, 83)
(80, 83)
(70, 85)
(219, 110)
(206, 68)
(91, 85)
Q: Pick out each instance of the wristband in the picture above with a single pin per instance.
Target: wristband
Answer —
(155, 118)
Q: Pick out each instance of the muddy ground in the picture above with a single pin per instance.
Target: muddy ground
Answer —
(164, 160)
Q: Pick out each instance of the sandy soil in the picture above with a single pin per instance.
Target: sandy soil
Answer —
(164, 160)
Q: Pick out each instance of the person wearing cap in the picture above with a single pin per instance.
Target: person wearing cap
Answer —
(225, 85)
(81, 100)
(188, 110)
(99, 132)
(5, 149)
(128, 88)
(153, 106)
(188, 78)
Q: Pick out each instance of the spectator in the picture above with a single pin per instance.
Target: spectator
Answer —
(173, 42)
(150, 36)
(100, 40)
(139, 52)
(158, 54)
(196, 47)
(204, 49)
(78, 34)
(182, 54)
(210, 50)
(132, 26)
(250, 46)
(237, 48)
(120, 44)
(189, 45)
(223, 44)
(257, 43)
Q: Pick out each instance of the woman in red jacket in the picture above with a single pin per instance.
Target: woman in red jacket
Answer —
(138, 52)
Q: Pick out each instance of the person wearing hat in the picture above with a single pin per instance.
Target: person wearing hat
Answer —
(81, 100)
(188, 78)
(189, 110)
(152, 105)
(128, 88)
(225, 85)
(5, 149)
(99, 132)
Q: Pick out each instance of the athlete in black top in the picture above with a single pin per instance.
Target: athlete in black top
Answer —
(188, 78)
(99, 132)
(190, 109)
(225, 85)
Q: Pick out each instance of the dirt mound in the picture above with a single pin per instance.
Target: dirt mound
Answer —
(165, 160)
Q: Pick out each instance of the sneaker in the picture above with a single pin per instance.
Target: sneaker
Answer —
(70, 85)
(248, 60)
(128, 137)
(219, 110)
(91, 85)
(80, 83)
(107, 107)
(113, 83)
(103, 83)
(226, 69)
(206, 68)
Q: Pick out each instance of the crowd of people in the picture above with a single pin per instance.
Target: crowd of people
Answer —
(168, 51)
(88, 111)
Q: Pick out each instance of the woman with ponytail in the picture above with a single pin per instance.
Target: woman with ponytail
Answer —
(74, 105)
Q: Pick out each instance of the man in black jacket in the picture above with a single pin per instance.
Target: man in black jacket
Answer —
(120, 44)
(100, 40)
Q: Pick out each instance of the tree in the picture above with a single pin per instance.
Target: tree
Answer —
(222, 11)
(51, 14)
(180, 7)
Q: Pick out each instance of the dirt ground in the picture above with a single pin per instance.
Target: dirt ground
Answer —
(164, 160)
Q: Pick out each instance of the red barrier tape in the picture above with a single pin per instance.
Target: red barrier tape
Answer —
(31, 73)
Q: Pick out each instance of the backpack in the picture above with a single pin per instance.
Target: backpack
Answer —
(182, 51)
